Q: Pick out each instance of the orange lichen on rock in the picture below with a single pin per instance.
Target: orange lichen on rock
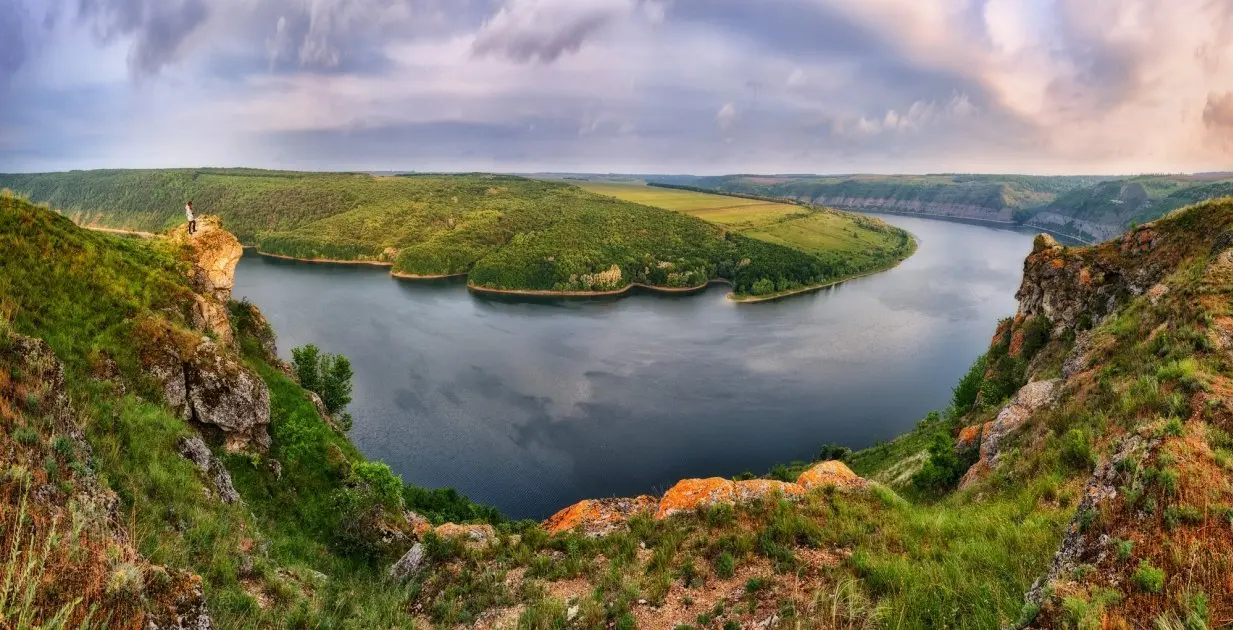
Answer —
(830, 473)
(690, 494)
(474, 535)
(1085, 276)
(1016, 342)
(751, 489)
(968, 437)
(1058, 263)
(597, 517)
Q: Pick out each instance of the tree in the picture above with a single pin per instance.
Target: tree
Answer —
(327, 375)
(336, 382)
(307, 363)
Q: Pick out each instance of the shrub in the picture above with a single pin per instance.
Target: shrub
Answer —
(1124, 549)
(834, 451)
(383, 481)
(1148, 578)
(964, 394)
(1077, 449)
(944, 468)
(725, 566)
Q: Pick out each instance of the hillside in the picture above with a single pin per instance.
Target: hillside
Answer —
(834, 236)
(502, 232)
(162, 469)
(1082, 207)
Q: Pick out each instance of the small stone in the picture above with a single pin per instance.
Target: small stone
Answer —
(571, 613)
(642, 602)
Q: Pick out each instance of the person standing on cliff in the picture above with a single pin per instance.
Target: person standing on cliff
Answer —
(192, 221)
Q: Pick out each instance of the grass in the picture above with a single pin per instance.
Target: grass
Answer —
(734, 212)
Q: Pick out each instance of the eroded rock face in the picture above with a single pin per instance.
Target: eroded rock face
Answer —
(214, 253)
(209, 314)
(194, 449)
(753, 489)
(186, 608)
(207, 384)
(599, 517)
(1028, 400)
(1074, 286)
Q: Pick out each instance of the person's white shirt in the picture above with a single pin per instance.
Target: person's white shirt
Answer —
(188, 212)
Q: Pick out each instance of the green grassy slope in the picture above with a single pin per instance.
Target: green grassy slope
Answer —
(277, 560)
(504, 232)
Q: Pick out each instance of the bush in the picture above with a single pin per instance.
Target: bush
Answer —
(1148, 578)
(725, 566)
(1077, 449)
(964, 394)
(834, 451)
(382, 480)
(945, 468)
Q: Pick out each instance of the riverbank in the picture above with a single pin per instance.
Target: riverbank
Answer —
(752, 299)
(402, 275)
(332, 261)
(594, 294)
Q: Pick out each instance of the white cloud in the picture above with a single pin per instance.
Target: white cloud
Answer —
(726, 116)
(797, 78)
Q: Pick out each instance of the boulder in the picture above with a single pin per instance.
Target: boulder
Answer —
(690, 494)
(194, 449)
(408, 565)
(208, 385)
(419, 524)
(831, 473)
(969, 438)
(182, 606)
(598, 517)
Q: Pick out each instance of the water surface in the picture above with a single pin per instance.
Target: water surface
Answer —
(531, 406)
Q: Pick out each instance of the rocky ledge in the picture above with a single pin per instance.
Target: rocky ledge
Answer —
(599, 517)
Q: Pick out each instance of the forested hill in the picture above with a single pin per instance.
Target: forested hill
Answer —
(503, 232)
(1088, 208)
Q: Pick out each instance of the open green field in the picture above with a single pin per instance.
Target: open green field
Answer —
(842, 238)
(728, 211)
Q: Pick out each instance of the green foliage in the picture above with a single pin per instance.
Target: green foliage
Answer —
(963, 395)
(1148, 578)
(328, 375)
(834, 451)
(382, 480)
(944, 468)
(446, 504)
(1077, 450)
(505, 232)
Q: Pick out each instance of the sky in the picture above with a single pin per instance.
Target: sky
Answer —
(642, 86)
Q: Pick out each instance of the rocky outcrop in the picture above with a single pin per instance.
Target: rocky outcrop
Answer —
(599, 517)
(1079, 545)
(207, 384)
(194, 449)
(212, 254)
(1029, 399)
(1077, 288)
(476, 535)
(408, 565)
(186, 604)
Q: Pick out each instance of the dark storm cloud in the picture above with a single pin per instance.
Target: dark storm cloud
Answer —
(13, 51)
(159, 28)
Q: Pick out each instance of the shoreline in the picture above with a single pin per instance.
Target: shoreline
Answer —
(549, 293)
(818, 287)
(1005, 225)
(331, 261)
(402, 275)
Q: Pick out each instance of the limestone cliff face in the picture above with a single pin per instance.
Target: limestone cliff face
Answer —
(202, 378)
(213, 254)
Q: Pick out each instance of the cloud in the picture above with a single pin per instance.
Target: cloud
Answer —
(726, 116)
(543, 30)
(158, 28)
(1218, 117)
(797, 78)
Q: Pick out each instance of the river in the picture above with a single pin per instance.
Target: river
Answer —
(530, 406)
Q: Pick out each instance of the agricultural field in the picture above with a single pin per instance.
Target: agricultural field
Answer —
(821, 232)
(735, 212)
